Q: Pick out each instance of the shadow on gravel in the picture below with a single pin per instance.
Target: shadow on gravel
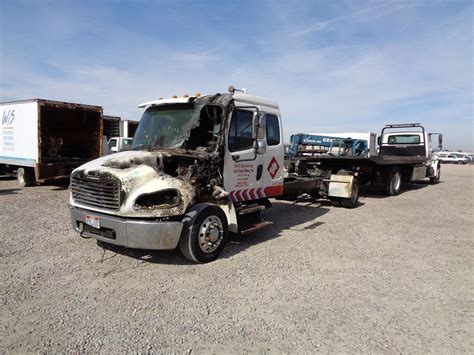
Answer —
(58, 184)
(9, 191)
(284, 215)
(172, 257)
(378, 192)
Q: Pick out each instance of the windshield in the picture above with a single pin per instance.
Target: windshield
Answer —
(165, 127)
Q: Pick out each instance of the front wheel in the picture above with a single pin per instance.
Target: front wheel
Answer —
(205, 235)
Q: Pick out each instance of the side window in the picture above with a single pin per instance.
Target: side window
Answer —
(273, 130)
(112, 143)
(241, 131)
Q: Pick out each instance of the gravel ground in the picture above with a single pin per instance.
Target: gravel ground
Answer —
(393, 275)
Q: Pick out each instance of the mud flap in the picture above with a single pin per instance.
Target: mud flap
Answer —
(340, 186)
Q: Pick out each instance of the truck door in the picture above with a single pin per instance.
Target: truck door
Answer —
(273, 164)
(243, 167)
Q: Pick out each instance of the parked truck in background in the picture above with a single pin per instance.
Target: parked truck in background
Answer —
(199, 168)
(44, 139)
(405, 154)
(119, 144)
(119, 133)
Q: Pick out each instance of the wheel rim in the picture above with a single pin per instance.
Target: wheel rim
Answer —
(396, 181)
(355, 193)
(21, 177)
(211, 233)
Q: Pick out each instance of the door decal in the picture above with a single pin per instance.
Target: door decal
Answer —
(247, 194)
(273, 168)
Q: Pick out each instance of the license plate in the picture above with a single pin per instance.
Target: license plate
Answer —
(93, 221)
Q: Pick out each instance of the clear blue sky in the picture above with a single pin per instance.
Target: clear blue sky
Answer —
(332, 65)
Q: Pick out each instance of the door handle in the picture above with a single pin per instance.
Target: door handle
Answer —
(259, 172)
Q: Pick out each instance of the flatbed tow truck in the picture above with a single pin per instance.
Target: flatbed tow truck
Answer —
(404, 155)
(199, 168)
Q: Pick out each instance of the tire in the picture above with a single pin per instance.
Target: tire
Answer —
(354, 200)
(25, 176)
(393, 182)
(435, 179)
(201, 230)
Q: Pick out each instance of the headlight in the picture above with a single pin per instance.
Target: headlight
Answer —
(160, 199)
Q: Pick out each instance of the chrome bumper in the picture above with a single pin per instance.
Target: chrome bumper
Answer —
(130, 233)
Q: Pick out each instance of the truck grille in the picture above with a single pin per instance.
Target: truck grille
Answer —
(94, 192)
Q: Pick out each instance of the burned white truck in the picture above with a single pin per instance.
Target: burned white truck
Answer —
(198, 168)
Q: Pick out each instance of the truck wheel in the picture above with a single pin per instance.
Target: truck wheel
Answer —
(435, 179)
(25, 176)
(353, 200)
(393, 182)
(205, 235)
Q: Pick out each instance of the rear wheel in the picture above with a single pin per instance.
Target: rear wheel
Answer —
(354, 199)
(393, 182)
(25, 176)
(435, 179)
(205, 236)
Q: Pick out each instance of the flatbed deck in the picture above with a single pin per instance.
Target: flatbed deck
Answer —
(375, 160)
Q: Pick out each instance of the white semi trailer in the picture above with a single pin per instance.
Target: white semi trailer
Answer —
(44, 139)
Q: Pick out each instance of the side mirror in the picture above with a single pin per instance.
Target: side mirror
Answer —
(261, 146)
(440, 141)
(379, 140)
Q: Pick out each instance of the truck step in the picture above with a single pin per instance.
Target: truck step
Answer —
(250, 209)
(256, 226)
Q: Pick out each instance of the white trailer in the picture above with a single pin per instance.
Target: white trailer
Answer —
(116, 127)
(128, 128)
(43, 139)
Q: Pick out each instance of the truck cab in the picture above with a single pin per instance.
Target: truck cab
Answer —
(413, 141)
(118, 144)
(199, 167)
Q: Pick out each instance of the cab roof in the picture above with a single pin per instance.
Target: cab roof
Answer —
(238, 97)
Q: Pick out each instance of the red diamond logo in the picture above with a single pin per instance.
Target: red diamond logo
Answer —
(273, 168)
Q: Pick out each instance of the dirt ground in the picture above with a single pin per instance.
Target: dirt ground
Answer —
(393, 275)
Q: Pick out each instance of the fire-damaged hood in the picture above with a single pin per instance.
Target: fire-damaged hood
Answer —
(139, 175)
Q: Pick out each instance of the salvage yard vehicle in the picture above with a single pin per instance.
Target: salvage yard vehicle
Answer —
(456, 158)
(405, 155)
(199, 168)
(119, 144)
(44, 139)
